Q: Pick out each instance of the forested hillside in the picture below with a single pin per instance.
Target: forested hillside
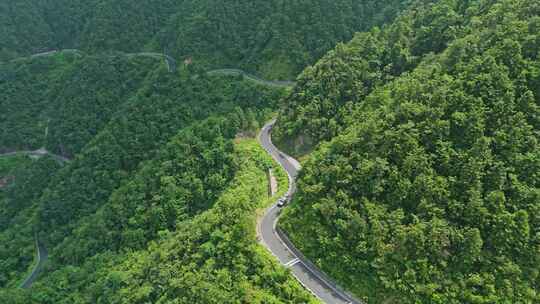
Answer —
(425, 185)
(181, 229)
(156, 181)
(154, 159)
(212, 257)
(27, 179)
(274, 38)
(328, 92)
(421, 141)
(61, 102)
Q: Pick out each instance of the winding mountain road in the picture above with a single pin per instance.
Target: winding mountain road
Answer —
(273, 238)
(276, 241)
(39, 153)
(42, 253)
(42, 256)
(235, 72)
(169, 61)
(172, 65)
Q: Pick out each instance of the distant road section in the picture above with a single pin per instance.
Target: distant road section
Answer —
(169, 61)
(39, 153)
(235, 72)
(279, 245)
(42, 256)
(172, 66)
(42, 253)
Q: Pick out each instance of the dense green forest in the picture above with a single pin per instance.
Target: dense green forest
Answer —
(61, 102)
(156, 157)
(9, 164)
(27, 180)
(153, 153)
(275, 38)
(327, 93)
(421, 140)
(181, 230)
(424, 185)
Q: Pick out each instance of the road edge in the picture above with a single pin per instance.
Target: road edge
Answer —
(284, 239)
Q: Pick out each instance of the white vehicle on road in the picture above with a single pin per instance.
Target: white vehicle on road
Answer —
(282, 202)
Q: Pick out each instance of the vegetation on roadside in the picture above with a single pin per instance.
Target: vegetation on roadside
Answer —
(8, 164)
(28, 181)
(201, 246)
(420, 137)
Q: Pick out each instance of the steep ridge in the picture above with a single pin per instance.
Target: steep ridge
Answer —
(247, 97)
(310, 278)
(41, 250)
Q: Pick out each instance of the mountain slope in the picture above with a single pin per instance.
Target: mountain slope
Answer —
(328, 92)
(62, 101)
(208, 255)
(27, 180)
(155, 166)
(274, 38)
(427, 188)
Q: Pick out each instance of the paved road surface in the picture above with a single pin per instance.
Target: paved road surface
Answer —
(42, 256)
(306, 273)
(172, 65)
(169, 61)
(40, 153)
(42, 253)
(234, 72)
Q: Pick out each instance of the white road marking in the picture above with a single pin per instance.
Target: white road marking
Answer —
(292, 263)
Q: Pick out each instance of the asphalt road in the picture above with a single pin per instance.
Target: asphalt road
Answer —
(39, 153)
(172, 65)
(42, 253)
(305, 272)
(41, 258)
(169, 61)
(234, 72)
